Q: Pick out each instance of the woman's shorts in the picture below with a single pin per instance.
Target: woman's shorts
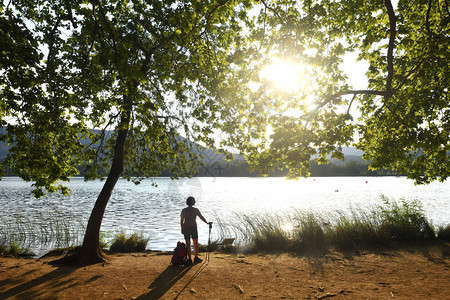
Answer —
(190, 232)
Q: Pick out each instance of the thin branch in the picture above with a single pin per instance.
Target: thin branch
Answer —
(414, 70)
(342, 93)
(428, 16)
(69, 13)
(94, 36)
(354, 93)
(351, 102)
(51, 42)
(275, 12)
(108, 27)
(391, 45)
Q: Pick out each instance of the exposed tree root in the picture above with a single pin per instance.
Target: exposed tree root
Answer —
(82, 257)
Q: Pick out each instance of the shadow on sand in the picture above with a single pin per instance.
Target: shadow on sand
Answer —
(33, 289)
(169, 277)
(165, 281)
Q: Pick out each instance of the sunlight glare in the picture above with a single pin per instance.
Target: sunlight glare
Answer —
(283, 74)
(287, 227)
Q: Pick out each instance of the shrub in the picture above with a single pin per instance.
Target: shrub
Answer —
(14, 249)
(444, 233)
(133, 243)
(104, 239)
(3, 249)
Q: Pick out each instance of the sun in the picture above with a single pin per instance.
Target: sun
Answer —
(284, 75)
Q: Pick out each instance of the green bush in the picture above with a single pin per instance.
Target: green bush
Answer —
(444, 233)
(126, 244)
(104, 239)
(3, 249)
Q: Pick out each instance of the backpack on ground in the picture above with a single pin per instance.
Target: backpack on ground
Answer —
(179, 255)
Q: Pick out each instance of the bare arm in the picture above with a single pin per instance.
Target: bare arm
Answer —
(201, 217)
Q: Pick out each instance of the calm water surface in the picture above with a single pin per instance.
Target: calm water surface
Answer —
(155, 210)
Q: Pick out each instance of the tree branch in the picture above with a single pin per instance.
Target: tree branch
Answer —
(354, 93)
(109, 28)
(342, 93)
(51, 42)
(275, 12)
(413, 70)
(351, 102)
(428, 16)
(391, 45)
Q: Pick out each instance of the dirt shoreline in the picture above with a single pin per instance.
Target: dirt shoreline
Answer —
(414, 273)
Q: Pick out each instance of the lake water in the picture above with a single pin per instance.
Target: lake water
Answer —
(155, 210)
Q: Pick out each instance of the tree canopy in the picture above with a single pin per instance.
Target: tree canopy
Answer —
(401, 120)
(148, 70)
(148, 67)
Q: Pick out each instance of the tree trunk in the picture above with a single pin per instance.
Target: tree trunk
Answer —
(90, 252)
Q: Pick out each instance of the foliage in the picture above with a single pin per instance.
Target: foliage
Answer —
(3, 249)
(158, 64)
(133, 243)
(160, 75)
(401, 121)
(105, 242)
(444, 233)
(402, 222)
(15, 250)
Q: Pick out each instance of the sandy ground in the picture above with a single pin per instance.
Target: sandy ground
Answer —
(418, 273)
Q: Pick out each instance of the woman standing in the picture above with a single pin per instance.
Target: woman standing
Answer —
(189, 227)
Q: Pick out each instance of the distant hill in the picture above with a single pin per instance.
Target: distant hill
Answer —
(217, 165)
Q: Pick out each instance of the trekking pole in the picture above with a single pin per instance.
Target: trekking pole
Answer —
(209, 240)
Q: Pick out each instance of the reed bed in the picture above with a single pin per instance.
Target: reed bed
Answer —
(40, 229)
(391, 223)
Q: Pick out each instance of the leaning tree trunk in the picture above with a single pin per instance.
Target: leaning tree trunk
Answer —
(90, 252)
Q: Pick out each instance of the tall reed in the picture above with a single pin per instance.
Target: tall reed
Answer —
(391, 222)
(41, 229)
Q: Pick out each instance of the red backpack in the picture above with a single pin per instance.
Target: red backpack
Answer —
(179, 255)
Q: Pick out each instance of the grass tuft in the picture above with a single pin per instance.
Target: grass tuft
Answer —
(126, 244)
(402, 222)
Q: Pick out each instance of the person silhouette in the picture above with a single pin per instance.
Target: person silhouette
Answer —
(189, 228)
